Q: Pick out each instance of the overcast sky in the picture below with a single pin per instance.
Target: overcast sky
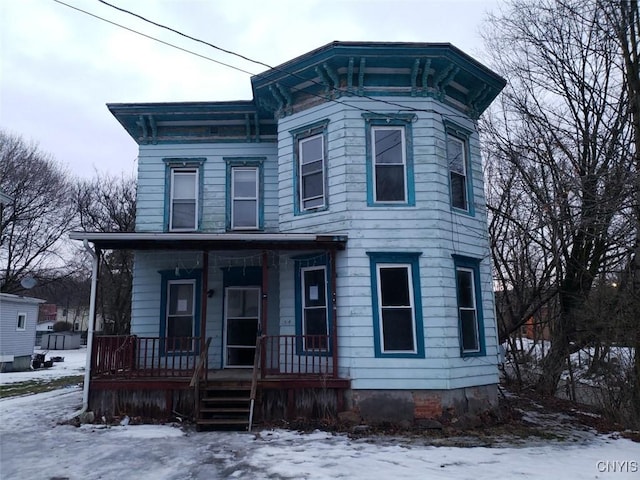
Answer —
(59, 66)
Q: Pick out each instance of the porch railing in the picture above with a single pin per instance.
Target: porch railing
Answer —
(132, 356)
(297, 355)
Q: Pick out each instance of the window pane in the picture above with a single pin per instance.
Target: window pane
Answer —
(465, 289)
(394, 285)
(397, 329)
(184, 214)
(242, 303)
(314, 288)
(184, 185)
(316, 202)
(311, 150)
(242, 331)
(315, 321)
(458, 191)
(469, 330)
(244, 183)
(455, 155)
(244, 213)
(388, 146)
(180, 326)
(312, 185)
(180, 299)
(389, 183)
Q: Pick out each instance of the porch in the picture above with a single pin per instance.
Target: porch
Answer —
(177, 370)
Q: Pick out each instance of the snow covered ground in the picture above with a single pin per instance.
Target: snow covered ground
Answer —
(34, 444)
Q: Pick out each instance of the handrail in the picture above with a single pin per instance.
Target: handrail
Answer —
(254, 378)
(201, 361)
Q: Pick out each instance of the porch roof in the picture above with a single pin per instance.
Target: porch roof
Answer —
(211, 241)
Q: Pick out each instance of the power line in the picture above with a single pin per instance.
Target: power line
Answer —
(278, 69)
(154, 38)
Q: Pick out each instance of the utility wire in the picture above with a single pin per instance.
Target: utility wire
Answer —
(278, 69)
(154, 38)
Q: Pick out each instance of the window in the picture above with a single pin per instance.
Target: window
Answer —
(313, 315)
(183, 194)
(180, 310)
(245, 209)
(389, 160)
(310, 180)
(469, 305)
(315, 324)
(389, 168)
(458, 163)
(22, 321)
(397, 309)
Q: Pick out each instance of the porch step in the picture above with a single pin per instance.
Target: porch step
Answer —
(224, 405)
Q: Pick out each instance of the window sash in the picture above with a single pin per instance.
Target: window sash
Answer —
(391, 315)
(389, 166)
(183, 203)
(457, 159)
(311, 173)
(244, 204)
(315, 319)
(467, 310)
(180, 322)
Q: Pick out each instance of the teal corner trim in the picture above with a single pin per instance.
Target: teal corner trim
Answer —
(412, 259)
(255, 162)
(304, 261)
(298, 134)
(464, 134)
(474, 265)
(165, 277)
(171, 163)
(404, 120)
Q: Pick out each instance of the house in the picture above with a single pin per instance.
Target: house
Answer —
(322, 247)
(18, 316)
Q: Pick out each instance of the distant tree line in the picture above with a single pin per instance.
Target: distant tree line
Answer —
(48, 203)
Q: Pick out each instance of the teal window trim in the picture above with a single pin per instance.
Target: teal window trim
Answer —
(248, 162)
(411, 260)
(463, 135)
(470, 264)
(405, 122)
(172, 164)
(167, 276)
(302, 263)
(300, 134)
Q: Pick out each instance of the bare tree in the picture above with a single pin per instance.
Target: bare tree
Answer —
(560, 142)
(108, 204)
(39, 216)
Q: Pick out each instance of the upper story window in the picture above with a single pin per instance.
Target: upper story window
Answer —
(397, 310)
(459, 168)
(310, 155)
(245, 208)
(183, 194)
(389, 160)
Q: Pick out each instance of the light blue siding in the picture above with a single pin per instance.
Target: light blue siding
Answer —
(14, 342)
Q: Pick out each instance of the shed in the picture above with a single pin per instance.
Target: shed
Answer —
(18, 318)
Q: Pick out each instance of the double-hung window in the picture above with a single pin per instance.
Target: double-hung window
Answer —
(180, 310)
(389, 160)
(244, 198)
(459, 171)
(310, 163)
(22, 322)
(183, 197)
(396, 304)
(469, 305)
(315, 322)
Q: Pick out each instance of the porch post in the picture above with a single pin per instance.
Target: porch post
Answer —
(263, 321)
(334, 307)
(203, 301)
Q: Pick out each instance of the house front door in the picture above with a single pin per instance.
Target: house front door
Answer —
(241, 316)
